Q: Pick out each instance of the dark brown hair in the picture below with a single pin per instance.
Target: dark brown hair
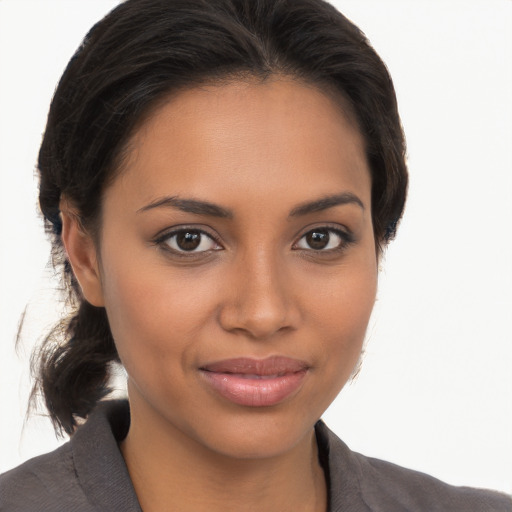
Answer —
(139, 54)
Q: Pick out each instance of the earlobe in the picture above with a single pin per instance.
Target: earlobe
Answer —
(82, 256)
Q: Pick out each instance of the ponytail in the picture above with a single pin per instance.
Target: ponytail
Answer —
(74, 375)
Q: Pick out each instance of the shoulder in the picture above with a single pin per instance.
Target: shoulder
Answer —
(375, 485)
(46, 482)
(384, 482)
(86, 474)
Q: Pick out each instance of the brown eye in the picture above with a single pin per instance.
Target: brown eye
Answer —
(324, 239)
(318, 239)
(190, 240)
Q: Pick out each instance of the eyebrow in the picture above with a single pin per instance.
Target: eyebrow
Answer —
(325, 203)
(189, 206)
(198, 207)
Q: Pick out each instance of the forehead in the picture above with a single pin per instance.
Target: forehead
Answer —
(253, 136)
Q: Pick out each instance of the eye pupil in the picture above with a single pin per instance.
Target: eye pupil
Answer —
(318, 239)
(188, 240)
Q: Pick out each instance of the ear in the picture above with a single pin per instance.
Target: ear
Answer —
(82, 256)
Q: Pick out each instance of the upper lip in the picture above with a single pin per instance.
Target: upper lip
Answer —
(275, 365)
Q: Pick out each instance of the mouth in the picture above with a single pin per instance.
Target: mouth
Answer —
(255, 382)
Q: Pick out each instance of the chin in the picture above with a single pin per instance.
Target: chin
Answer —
(259, 435)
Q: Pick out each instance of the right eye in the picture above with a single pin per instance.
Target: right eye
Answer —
(190, 241)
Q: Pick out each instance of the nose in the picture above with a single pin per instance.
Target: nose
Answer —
(258, 301)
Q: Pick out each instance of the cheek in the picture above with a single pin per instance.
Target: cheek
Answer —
(341, 314)
(348, 318)
(154, 316)
(343, 298)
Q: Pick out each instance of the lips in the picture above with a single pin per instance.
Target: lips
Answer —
(255, 382)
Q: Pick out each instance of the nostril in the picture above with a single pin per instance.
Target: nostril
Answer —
(260, 320)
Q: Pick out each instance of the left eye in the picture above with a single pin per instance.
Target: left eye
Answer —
(322, 239)
(190, 240)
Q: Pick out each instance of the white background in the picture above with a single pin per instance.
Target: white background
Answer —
(435, 392)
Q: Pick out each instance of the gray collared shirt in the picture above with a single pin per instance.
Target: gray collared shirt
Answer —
(88, 474)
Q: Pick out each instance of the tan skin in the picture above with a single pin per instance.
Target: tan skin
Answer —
(254, 287)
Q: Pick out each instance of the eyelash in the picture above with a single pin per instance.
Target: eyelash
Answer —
(346, 239)
(163, 242)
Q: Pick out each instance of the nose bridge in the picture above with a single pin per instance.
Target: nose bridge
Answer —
(259, 302)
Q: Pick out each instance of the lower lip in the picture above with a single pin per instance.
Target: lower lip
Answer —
(254, 392)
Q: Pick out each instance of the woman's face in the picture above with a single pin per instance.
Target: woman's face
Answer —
(238, 265)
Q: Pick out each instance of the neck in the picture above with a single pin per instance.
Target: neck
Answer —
(167, 467)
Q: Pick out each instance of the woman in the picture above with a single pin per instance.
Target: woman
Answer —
(220, 179)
